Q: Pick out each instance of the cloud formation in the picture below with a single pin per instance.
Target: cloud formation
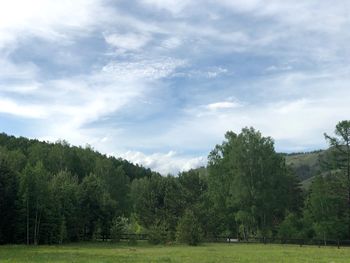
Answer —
(160, 82)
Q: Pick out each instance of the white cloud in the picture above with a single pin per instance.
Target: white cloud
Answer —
(51, 20)
(173, 6)
(165, 163)
(27, 110)
(223, 105)
(129, 41)
(171, 42)
(68, 105)
(20, 89)
(17, 71)
(315, 15)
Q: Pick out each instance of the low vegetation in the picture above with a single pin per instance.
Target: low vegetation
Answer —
(108, 253)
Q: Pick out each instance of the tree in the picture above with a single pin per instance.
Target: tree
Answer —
(34, 192)
(326, 206)
(248, 182)
(157, 234)
(291, 227)
(48, 196)
(340, 155)
(64, 204)
(8, 199)
(188, 229)
(116, 182)
(118, 228)
(96, 207)
(148, 195)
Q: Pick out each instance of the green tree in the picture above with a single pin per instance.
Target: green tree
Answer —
(188, 229)
(8, 199)
(339, 156)
(116, 182)
(148, 199)
(118, 228)
(291, 227)
(245, 177)
(326, 206)
(64, 204)
(96, 207)
(34, 192)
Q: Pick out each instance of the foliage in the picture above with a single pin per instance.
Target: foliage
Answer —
(157, 234)
(8, 199)
(188, 229)
(118, 228)
(245, 177)
(290, 228)
(326, 206)
(52, 193)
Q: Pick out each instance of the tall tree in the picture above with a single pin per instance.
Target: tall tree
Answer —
(64, 200)
(95, 205)
(34, 192)
(326, 205)
(247, 179)
(8, 199)
(339, 155)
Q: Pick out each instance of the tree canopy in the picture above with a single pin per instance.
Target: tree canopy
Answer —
(51, 193)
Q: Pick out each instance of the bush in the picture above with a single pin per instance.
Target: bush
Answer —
(289, 227)
(157, 234)
(117, 228)
(188, 229)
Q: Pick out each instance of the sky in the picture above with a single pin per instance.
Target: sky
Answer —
(159, 82)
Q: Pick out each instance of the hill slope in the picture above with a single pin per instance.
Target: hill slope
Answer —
(61, 156)
(305, 165)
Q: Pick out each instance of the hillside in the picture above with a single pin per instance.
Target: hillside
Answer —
(305, 164)
(58, 156)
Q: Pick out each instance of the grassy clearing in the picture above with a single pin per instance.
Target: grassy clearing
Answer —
(99, 252)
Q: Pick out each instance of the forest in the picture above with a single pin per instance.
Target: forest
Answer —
(53, 193)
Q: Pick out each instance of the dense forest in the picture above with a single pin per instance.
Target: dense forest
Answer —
(52, 193)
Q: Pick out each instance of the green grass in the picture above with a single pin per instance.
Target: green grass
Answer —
(99, 252)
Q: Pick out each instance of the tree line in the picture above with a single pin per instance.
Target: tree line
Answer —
(53, 193)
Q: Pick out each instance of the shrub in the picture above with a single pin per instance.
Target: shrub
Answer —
(289, 227)
(157, 234)
(117, 228)
(188, 229)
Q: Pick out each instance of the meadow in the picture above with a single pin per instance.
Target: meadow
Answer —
(142, 252)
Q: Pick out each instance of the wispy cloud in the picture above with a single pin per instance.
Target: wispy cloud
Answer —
(128, 41)
(160, 82)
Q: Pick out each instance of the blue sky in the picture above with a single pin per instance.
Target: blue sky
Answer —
(159, 82)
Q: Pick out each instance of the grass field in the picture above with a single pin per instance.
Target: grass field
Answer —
(98, 252)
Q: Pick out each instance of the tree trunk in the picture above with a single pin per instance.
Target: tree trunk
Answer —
(35, 225)
(27, 221)
(38, 230)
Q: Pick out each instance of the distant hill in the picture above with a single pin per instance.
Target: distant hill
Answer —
(305, 165)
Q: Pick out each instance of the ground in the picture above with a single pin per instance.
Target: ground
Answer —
(107, 252)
